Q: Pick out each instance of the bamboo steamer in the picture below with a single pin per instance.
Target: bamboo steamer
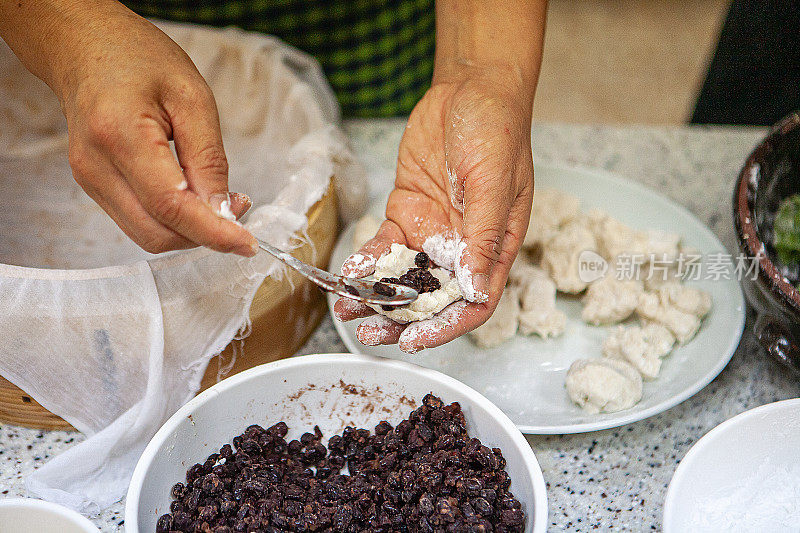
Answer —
(284, 313)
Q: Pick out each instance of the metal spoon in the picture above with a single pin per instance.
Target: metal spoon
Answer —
(355, 289)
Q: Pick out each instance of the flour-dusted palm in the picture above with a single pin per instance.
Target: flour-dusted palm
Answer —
(463, 195)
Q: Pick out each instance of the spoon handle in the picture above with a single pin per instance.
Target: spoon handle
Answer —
(355, 289)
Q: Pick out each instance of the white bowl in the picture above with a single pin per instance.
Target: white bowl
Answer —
(743, 475)
(314, 389)
(26, 515)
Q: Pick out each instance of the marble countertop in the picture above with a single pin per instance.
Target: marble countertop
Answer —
(608, 480)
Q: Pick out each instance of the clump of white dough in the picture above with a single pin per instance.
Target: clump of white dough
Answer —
(641, 347)
(551, 210)
(539, 314)
(603, 385)
(396, 263)
(502, 325)
(561, 252)
(668, 311)
(610, 300)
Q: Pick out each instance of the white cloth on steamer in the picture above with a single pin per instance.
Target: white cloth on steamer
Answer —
(113, 339)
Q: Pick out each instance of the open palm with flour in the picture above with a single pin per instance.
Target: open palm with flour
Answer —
(463, 192)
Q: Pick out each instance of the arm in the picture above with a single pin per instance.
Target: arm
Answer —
(489, 54)
(465, 165)
(126, 90)
(505, 38)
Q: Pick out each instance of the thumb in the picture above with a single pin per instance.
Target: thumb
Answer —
(484, 227)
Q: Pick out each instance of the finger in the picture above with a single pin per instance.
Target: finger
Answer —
(362, 263)
(455, 320)
(194, 119)
(119, 201)
(121, 204)
(378, 329)
(486, 215)
(144, 158)
(346, 309)
(517, 225)
(358, 265)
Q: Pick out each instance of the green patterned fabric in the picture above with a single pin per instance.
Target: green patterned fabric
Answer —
(377, 54)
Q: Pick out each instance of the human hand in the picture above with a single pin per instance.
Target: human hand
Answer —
(126, 90)
(464, 169)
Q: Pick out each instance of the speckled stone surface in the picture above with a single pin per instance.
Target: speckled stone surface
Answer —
(607, 480)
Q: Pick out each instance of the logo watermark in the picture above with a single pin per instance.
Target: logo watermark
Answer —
(662, 267)
(591, 266)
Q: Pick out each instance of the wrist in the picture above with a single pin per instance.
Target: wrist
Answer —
(490, 40)
(83, 43)
(37, 32)
(58, 40)
(511, 79)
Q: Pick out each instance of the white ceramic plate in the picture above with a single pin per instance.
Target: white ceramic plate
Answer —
(742, 476)
(333, 391)
(525, 376)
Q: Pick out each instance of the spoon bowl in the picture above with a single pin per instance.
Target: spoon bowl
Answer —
(355, 289)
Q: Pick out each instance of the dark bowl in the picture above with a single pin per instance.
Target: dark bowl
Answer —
(770, 174)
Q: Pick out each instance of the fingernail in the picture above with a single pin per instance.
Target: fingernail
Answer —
(240, 203)
(248, 250)
(347, 309)
(480, 282)
(411, 349)
(474, 287)
(368, 334)
(221, 205)
(358, 266)
(341, 308)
